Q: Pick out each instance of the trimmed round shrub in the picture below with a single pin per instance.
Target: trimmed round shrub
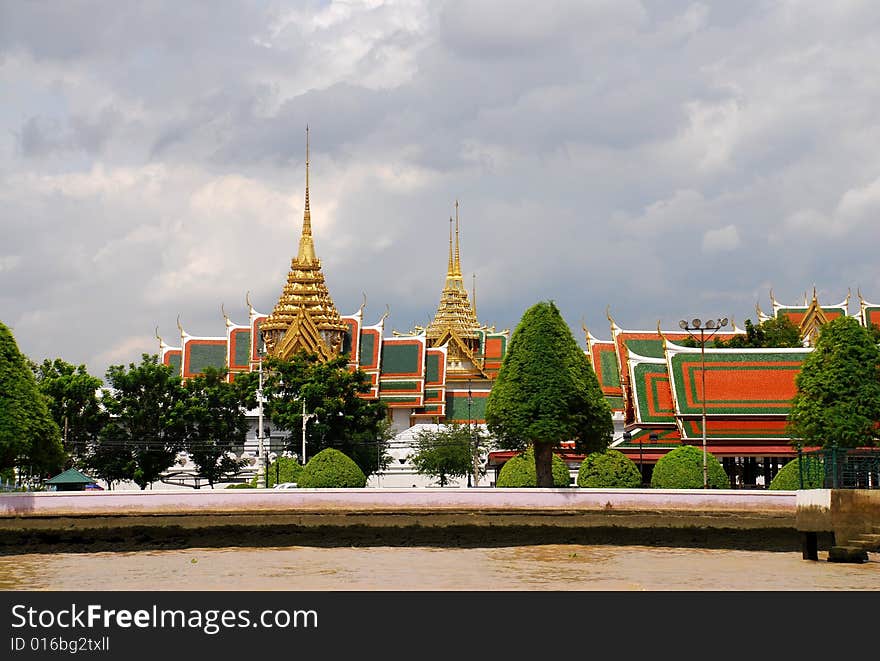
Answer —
(682, 468)
(519, 471)
(287, 469)
(240, 485)
(331, 468)
(788, 477)
(608, 470)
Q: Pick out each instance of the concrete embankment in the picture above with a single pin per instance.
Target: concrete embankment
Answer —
(88, 521)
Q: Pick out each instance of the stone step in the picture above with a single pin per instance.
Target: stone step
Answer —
(847, 553)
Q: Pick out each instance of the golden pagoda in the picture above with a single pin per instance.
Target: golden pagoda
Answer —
(455, 323)
(305, 317)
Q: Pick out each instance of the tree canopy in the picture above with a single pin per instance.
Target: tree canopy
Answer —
(449, 451)
(838, 389)
(73, 399)
(776, 332)
(29, 438)
(214, 424)
(546, 392)
(143, 401)
(343, 419)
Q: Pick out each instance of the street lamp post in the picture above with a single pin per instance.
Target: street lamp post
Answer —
(305, 418)
(713, 326)
(262, 467)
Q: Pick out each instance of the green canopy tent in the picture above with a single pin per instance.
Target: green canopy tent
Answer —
(71, 480)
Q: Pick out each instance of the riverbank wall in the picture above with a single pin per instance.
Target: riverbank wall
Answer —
(73, 521)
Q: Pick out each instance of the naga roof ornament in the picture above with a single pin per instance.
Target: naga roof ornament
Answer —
(305, 317)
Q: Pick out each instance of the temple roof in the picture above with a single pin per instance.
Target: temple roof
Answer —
(455, 313)
(810, 316)
(305, 294)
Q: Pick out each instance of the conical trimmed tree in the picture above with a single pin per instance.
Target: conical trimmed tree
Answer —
(546, 392)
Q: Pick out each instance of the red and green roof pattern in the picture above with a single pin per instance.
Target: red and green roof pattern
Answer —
(737, 381)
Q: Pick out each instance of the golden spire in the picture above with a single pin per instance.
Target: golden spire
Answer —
(457, 251)
(474, 293)
(305, 317)
(306, 245)
(455, 312)
(450, 270)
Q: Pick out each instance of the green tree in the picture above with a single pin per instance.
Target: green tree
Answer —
(214, 424)
(110, 457)
(776, 332)
(682, 468)
(546, 392)
(608, 470)
(449, 451)
(838, 389)
(74, 403)
(331, 468)
(519, 472)
(142, 401)
(29, 439)
(343, 418)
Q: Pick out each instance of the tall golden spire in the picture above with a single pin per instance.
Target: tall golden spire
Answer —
(450, 270)
(305, 317)
(455, 312)
(306, 244)
(457, 251)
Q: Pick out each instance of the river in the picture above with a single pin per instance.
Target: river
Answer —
(377, 568)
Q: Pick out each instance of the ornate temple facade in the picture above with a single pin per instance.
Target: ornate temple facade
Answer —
(658, 388)
(427, 376)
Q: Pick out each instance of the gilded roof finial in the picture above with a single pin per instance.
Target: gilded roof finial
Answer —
(859, 292)
(385, 314)
(180, 328)
(306, 245)
(456, 312)
(608, 315)
(363, 303)
(848, 296)
(772, 300)
(450, 270)
(457, 249)
(225, 316)
(662, 336)
(474, 292)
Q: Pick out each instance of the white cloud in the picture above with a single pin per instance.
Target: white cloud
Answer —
(594, 146)
(724, 239)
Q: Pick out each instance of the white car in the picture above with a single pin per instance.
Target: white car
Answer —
(285, 485)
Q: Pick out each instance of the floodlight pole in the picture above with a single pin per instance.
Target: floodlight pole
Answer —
(714, 326)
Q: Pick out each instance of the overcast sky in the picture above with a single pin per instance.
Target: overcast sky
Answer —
(667, 159)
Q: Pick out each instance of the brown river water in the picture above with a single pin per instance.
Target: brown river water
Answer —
(378, 568)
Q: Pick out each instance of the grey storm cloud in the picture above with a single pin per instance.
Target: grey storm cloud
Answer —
(666, 159)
